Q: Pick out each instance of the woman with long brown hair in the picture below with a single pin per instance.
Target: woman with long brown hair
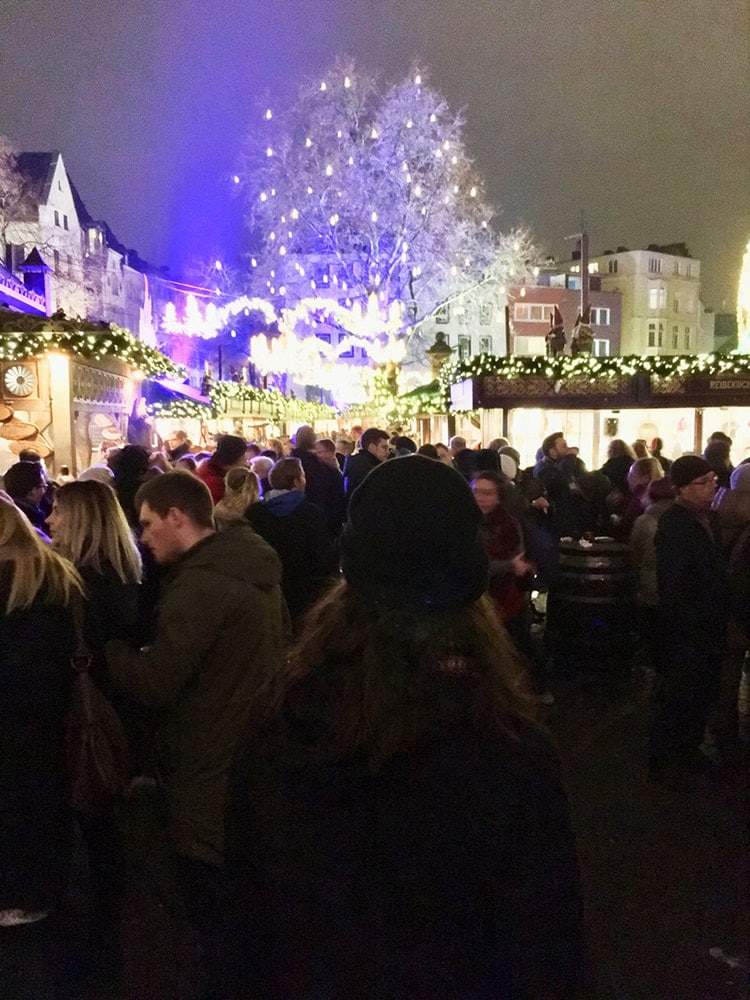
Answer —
(395, 819)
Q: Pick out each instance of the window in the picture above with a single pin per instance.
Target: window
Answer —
(485, 345)
(464, 348)
(660, 339)
(612, 266)
(601, 348)
(69, 263)
(485, 314)
(531, 312)
(443, 315)
(675, 337)
(687, 338)
(529, 346)
(320, 274)
(652, 334)
(654, 265)
(600, 316)
(325, 337)
(65, 222)
(677, 267)
(57, 218)
(657, 298)
(676, 305)
(56, 260)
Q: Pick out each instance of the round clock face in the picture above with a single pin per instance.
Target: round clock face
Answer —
(19, 380)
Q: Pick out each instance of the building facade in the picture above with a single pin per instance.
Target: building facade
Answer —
(661, 298)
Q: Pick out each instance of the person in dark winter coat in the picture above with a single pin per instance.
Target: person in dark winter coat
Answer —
(297, 530)
(692, 614)
(324, 482)
(25, 484)
(373, 449)
(37, 640)
(396, 824)
(220, 635)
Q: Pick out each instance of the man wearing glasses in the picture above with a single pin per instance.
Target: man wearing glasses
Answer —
(693, 611)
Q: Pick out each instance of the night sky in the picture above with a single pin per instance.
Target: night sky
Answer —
(634, 113)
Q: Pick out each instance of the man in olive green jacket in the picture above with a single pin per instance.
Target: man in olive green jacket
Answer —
(221, 629)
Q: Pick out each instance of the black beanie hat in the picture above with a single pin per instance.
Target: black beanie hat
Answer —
(412, 538)
(687, 468)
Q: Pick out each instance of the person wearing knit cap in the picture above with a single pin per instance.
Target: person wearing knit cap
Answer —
(396, 822)
(692, 614)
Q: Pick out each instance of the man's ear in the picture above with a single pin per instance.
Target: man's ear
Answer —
(175, 517)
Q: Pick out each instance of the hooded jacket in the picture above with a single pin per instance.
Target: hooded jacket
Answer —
(221, 627)
(297, 531)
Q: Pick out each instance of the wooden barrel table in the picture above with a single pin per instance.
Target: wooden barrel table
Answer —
(591, 601)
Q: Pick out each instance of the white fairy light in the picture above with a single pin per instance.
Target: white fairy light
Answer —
(269, 116)
(374, 217)
(294, 214)
(308, 142)
(347, 82)
(418, 80)
(263, 196)
(473, 193)
(329, 170)
(269, 151)
(323, 86)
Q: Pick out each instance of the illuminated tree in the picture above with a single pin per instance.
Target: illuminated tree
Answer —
(356, 192)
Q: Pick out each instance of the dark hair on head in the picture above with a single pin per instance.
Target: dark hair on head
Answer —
(305, 437)
(181, 490)
(487, 460)
(429, 451)
(186, 462)
(229, 449)
(328, 444)
(720, 436)
(405, 445)
(660, 489)
(23, 477)
(619, 449)
(492, 476)
(393, 676)
(371, 436)
(269, 453)
(128, 463)
(253, 449)
(549, 442)
(285, 473)
(656, 445)
(717, 454)
(29, 455)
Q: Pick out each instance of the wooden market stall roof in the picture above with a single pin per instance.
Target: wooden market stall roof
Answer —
(587, 382)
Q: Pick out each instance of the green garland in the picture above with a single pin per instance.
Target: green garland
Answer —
(595, 369)
(23, 337)
(265, 402)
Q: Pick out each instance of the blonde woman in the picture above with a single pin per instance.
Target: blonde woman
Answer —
(89, 528)
(242, 489)
(37, 640)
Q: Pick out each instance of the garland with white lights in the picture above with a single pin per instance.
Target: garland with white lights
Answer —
(592, 368)
(265, 402)
(23, 337)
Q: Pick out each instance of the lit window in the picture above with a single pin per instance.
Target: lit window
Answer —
(601, 348)
(657, 298)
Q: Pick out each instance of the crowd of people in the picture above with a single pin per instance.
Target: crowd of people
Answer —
(321, 651)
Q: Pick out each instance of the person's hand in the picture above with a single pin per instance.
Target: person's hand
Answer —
(522, 567)
(541, 503)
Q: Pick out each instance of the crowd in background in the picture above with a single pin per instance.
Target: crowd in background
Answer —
(198, 572)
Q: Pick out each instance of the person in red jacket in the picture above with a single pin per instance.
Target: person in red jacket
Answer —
(230, 451)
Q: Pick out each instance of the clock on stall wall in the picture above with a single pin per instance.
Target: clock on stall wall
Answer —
(19, 380)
